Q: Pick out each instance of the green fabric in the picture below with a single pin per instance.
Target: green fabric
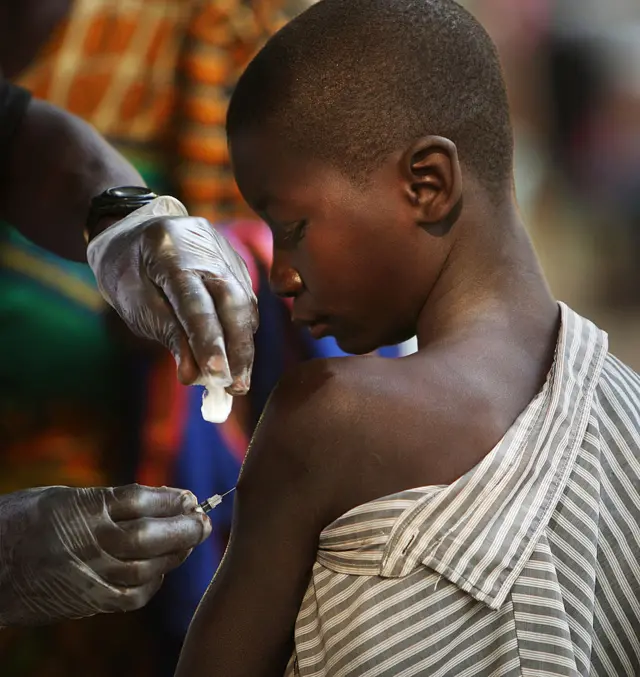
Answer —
(151, 164)
(52, 345)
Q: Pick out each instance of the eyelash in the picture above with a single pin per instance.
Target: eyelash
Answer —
(300, 230)
(297, 233)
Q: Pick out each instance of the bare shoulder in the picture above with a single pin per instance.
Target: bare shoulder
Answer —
(306, 441)
(309, 409)
(323, 389)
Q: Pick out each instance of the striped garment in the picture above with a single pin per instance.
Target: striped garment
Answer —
(527, 565)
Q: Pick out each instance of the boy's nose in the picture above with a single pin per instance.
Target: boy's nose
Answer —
(284, 280)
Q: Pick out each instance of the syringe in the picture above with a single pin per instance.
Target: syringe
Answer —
(210, 503)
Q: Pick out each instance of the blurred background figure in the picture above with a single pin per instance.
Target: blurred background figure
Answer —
(84, 403)
(573, 73)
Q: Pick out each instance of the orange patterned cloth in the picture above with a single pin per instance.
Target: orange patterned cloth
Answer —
(157, 75)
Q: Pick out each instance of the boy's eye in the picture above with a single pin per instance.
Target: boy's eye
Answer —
(300, 229)
(294, 232)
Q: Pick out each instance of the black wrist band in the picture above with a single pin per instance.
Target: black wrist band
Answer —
(117, 202)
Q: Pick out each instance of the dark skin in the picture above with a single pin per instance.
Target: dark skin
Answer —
(377, 264)
(58, 163)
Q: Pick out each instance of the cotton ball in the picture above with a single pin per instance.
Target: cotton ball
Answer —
(216, 401)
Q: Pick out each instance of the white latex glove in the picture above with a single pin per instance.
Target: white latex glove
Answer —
(173, 278)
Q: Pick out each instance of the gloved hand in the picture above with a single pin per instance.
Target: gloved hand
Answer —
(70, 553)
(174, 279)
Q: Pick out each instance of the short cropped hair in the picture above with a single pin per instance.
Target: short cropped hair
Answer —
(351, 81)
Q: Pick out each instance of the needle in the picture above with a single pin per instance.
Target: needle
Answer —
(210, 503)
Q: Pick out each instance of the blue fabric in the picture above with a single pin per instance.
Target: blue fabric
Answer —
(271, 346)
(327, 347)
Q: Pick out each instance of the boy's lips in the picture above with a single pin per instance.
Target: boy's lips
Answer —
(318, 326)
(319, 329)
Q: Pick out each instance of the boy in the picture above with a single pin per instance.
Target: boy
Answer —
(471, 509)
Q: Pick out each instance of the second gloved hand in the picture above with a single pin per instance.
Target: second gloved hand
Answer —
(70, 553)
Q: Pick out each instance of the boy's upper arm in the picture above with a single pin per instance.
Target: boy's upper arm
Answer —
(285, 496)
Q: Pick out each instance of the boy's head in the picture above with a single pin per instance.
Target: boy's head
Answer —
(351, 133)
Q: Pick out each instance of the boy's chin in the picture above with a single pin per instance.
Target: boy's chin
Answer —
(363, 343)
(357, 345)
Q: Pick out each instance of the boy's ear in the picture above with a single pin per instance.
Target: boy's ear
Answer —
(433, 182)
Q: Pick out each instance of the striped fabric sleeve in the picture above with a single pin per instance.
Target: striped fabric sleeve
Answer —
(222, 38)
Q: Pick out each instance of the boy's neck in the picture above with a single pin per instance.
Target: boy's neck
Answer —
(492, 272)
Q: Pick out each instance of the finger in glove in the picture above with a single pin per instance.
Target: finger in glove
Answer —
(136, 573)
(149, 537)
(194, 307)
(133, 598)
(237, 314)
(135, 500)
